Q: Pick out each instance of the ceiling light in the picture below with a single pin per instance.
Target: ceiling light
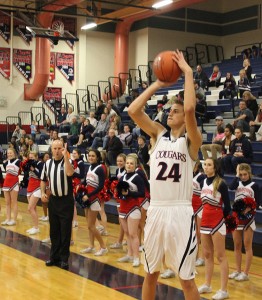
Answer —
(162, 3)
(89, 26)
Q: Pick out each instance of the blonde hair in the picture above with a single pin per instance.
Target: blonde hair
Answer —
(134, 157)
(249, 95)
(137, 161)
(122, 155)
(247, 168)
(34, 153)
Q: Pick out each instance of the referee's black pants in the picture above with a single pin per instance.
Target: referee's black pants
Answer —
(61, 211)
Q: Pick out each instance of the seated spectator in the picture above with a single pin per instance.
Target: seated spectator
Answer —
(99, 109)
(229, 90)
(114, 107)
(105, 138)
(215, 77)
(65, 126)
(255, 51)
(201, 77)
(111, 111)
(216, 142)
(100, 131)
(17, 132)
(61, 118)
(201, 106)
(256, 126)
(251, 102)
(142, 152)
(13, 144)
(243, 117)
(248, 69)
(93, 121)
(126, 137)
(85, 138)
(113, 147)
(45, 135)
(53, 136)
(72, 137)
(157, 116)
(240, 152)
(226, 141)
(32, 146)
(199, 91)
(243, 83)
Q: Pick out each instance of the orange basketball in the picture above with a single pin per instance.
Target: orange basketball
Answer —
(165, 68)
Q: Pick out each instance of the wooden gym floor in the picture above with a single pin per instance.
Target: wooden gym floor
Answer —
(24, 274)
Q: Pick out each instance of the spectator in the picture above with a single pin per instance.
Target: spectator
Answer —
(256, 126)
(243, 117)
(17, 132)
(240, 152)
(229, 137)
(114, 107)
(65, 126)
(32, 146)
(126, 137)
(215, 78)
(142, 152)
(248, 69)
(73, 133)
(201, 77)
(100, 131)
(157, 116)
(229, 90)
(93, 121)
(61, 117)
(100, 109)
(243, 83)
(199, 91)
(85, 134)
(113, 147)
(251, 102)
(33, 130)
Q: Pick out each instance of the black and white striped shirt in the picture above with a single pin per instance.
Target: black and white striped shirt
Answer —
(59, 183)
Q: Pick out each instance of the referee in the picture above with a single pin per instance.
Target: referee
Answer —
(58, 172)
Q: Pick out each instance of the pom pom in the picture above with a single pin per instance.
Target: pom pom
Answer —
(231, 223)
(239, 206)
(81, 192)
(250, 202)
(245, 208)
(122, 185)
(113, 188)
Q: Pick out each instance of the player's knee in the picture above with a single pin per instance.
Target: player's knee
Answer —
(187, 285)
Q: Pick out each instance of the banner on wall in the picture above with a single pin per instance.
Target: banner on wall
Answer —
(52, 67)
(5, 62)
(22, 60)
(20, 28)
(65, 64)
(52, 98)
(5, 22)
(66, 23)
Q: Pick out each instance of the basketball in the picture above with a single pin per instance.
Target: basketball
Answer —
(165, 68)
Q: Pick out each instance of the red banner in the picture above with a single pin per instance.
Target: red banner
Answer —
(65, 64)
(52, 67)
(20, 28)
(69, 24)
(52, 97)
(22, 59)
(5, 62)
(5, 22)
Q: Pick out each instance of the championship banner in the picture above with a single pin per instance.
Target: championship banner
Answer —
(65, 64)
(52, 98)
(22, 59)
(20, 28)
(52, 67)
(5, 22)
(65, 23)
(5, 62)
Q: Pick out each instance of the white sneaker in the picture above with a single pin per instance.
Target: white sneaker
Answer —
(200, 262)
(45, 219)
(28, 230)
(136, 262)
(126, 258)
(141, 248)
(101, 252)
(204, 289)
(116, 246)
(75, 224)
(46, 241)
(124, 243)
(168, 274)
(34, 231)
(233, 275)
(11, 223)
(242, 277)
(220, 295)
(100, 228)
(88, 250)
(42, 218)
(5, 222)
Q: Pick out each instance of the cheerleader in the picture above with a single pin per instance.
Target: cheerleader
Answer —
(78, 176)
(95, 179)
(120, 172)
(129, 211)
(45, 218)
(33, 189)
(216, 206)
(11, 186)
(244, 187)
(197, 205)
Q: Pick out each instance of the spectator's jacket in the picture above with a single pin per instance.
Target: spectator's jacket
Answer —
(242, 145)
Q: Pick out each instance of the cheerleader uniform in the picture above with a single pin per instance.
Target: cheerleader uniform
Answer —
(79, 171)
(119, 173)
(95, 179)
(245, 189)
(144, 201)
(213, 213)
(34, 181)
(12, 168)
(196, 200)
(130, 206)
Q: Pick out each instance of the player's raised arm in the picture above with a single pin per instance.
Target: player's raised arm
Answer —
(194, 135)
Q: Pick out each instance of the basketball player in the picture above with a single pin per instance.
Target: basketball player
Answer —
(170, 227)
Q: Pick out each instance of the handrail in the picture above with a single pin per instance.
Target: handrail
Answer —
(245, 45)
(203, 52)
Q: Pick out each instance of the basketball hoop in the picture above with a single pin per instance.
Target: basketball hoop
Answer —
(59, 27)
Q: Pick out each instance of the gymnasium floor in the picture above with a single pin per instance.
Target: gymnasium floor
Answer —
(24, 274)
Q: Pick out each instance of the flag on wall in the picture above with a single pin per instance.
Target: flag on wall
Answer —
(52, 97)
(65, 64)
(66, 23)
(5, 22)
(20, 28)
(22, 60)
(5, 62)
(52, 67)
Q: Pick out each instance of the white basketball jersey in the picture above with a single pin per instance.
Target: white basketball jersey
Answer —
(196, 185)
(171, 171)
(244, 191)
